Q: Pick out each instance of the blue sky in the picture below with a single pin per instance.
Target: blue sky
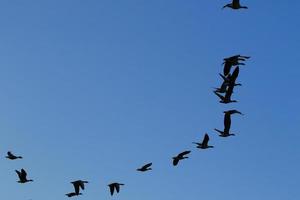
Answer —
(94, 89)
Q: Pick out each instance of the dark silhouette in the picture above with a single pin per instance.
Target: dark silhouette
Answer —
(11, 156)
(22, 176)
(77, 185)
(233, 61)
(204, 144)
(145, 167)
(227, 124)
(114, 186)
(227, 80)
(235, 5)
(180, 156)
(72, 194)
(227, 98)
(230, 112)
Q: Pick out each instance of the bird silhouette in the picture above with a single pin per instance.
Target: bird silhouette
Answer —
(227, 98)
(72, 194)
(233, 61)
(227, 124)
(227, 80)
(235, 5)
(23, 176)
(145, 167)
(77, 185)
(11, 156)
(114, 186)
(204, 144)
(180, 156)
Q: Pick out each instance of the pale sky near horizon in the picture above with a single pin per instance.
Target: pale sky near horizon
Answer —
(93, 90)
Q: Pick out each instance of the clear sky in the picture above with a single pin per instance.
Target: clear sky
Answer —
(94, 89)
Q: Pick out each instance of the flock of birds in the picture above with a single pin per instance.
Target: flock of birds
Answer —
(226, 88)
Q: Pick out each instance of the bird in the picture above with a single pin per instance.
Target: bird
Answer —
(114, 186)
(235, 5)
(72, 194)
(227, 80)
(204, 144)
(227, 124)
(233, 61)
(227, 98)
(11, 156)
(77, 185)
(22, 176)
(145, 167)
(179, 157)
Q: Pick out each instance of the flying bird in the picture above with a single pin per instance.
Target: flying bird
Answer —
(227, 98)
(77, 185)
(227, 124)
(204, 144)
(145, 167)
(113, 187)
(22, 176)
(11, 156)
(233, 61)
(180, 156)
(235, 5)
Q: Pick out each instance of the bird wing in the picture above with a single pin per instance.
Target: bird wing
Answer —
(19, 174)
(220, 96)
(236, 2)
(23, 173)
(10, 154)
(117, 188)
(81, 184)
(147, 165)
(234, 75)
(111, 188)
(229, 92)
(205, 140)
(227, 122)
(76, 187)
(227, 67)
(183, 153)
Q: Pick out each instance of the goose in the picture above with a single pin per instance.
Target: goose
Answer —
(227, 124)
(204, 144)
(145, 167)
(11, 156)
(22, 176)
(114, 186)
(227, 98)
(235, 5)
(72, 194)
(227, 80)
(180, 156)
(78, 184)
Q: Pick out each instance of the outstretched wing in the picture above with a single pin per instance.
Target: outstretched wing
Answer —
(184, 153)
(147, 165)
(23, 173)
(118, 188)
(220, 96)
(19, 174)
(111, 188)
(205, 140)
(10, 154)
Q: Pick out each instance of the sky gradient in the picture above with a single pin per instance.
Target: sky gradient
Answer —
(92, 90)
